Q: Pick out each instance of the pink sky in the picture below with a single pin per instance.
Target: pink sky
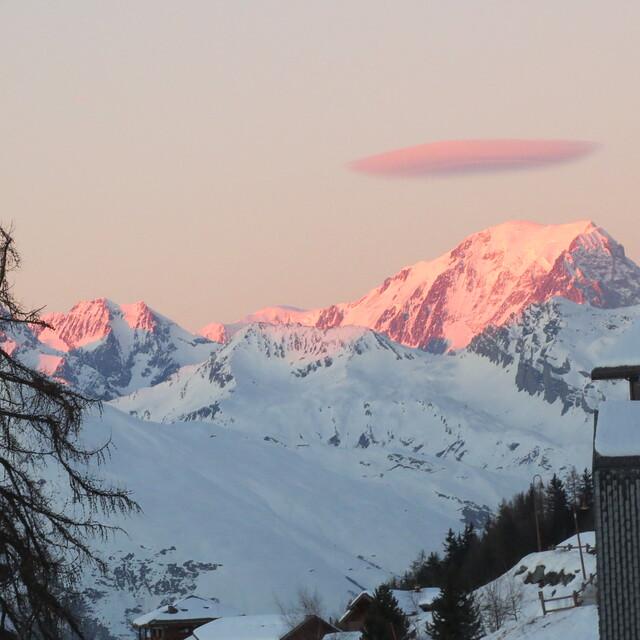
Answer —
(205, 167)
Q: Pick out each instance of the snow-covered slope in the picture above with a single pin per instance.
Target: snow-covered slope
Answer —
(581, 622)
(350, 387)
(554, 346)
(486, 280)
(248, 520)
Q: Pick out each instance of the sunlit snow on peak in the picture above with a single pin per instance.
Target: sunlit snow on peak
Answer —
(487, 279)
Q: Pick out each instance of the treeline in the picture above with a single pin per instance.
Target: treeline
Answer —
(472, 559)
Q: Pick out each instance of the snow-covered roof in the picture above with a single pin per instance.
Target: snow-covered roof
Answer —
(189, 608)
(409, 601)
(618, 429)
(264, 627)
(427, 595)
(343, 635)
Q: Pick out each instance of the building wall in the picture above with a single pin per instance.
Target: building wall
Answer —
(313, 628)
(617, 501)
(354, 619)
(167, 632)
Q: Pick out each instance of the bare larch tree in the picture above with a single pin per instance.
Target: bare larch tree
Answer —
(46, 528)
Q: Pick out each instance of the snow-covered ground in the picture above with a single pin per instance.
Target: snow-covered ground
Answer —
(563, 567)
(248, 520)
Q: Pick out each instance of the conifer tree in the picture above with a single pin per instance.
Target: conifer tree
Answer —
(557, 511)
(451, 546)
(586, 515)
(586, 488)
(455, 615)
(385, 620)
(572, 483)
(431, 573)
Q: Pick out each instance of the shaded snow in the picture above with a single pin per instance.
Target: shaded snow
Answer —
(618, 429)
(304, 385)
(258, 518)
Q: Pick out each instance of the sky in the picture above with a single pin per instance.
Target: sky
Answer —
(201, 155)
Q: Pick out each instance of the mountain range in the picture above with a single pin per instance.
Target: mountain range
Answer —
(326, 448)
(488, 279)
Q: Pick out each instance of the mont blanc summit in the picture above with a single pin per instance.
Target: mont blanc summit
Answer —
(487, 279)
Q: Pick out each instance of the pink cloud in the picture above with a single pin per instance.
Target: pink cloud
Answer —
(454, 157)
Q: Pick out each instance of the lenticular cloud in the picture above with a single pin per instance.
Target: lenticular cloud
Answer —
(455, 157)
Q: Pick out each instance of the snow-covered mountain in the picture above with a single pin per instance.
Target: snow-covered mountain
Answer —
(483, 288)
(487, 279)
(106, 350)
(553, 347)
(350, 387)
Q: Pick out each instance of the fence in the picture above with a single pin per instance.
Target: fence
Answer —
(588, 548)
(577, 598)
(573, 597)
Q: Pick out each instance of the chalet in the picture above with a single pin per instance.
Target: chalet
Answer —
(413, 604)
(178, 620)
(264, 627)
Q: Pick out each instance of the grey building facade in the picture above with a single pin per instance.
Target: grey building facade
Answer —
(616, 475)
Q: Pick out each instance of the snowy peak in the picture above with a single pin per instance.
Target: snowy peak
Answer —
(87, 322)
(110, 349)
(93, 320)
(298, 343)
(595, 271)
(214, 331)
(138, 316)
(488, 279)
(277, 315)
(273, 315)
(491, 277)
(515, 245)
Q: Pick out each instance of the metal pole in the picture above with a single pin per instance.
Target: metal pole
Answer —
(575, 519)
(535, 508)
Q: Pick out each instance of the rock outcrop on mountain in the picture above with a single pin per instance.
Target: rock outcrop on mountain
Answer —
(553, 347)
